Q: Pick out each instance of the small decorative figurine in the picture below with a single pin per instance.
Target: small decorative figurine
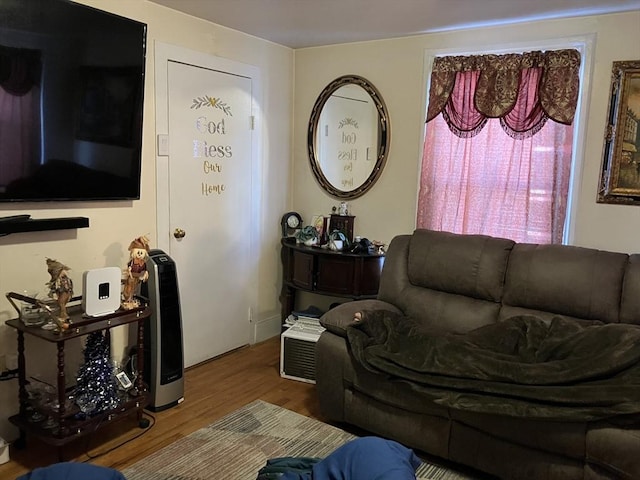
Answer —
(60, 289)
(380, 247)
(136, 272)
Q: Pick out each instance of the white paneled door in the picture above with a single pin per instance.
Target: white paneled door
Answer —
(209, 203)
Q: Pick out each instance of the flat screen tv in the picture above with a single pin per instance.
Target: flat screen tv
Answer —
(71, 102)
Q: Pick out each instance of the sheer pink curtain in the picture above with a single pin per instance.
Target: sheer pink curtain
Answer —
(18, 124)
(19, 111)
(507, 176)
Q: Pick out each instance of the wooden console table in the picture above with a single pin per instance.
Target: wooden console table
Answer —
(325, 272)
(71, 425)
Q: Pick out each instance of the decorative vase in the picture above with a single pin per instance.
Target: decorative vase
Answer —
(338, 241)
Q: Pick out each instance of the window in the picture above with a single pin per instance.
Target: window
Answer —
(498, 145)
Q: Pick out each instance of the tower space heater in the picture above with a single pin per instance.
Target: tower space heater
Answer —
(163, 346)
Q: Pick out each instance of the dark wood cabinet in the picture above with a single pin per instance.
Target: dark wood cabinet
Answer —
(302, 270)
(325, 272)
(343, 223)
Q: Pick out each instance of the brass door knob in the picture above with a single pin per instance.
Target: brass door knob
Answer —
(179, 233)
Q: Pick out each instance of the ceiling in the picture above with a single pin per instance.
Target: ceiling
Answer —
(307, 23)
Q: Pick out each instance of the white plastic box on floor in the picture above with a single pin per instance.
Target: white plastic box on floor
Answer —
(298, 351)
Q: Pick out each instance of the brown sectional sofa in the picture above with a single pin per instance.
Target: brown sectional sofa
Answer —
(457, 283)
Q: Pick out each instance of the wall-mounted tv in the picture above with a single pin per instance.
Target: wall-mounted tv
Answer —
(71, 102)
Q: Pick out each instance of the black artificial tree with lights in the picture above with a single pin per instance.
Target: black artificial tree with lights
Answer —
(96, 389)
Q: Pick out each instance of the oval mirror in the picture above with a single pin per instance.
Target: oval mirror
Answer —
(348, 137)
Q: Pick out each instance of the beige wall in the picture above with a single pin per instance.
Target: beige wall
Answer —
(114, 224)
(396, 68)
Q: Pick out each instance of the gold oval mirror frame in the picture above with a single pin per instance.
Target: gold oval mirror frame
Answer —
(348, 137)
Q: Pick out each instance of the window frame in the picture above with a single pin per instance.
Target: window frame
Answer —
(585, 44)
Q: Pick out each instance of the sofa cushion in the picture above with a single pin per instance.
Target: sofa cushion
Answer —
(534, 433)
(615, 448)
(630, 304)
(429, 433)
(508, 311)
(509, 460)
(469, 265)
(575, 281)
(447, 311)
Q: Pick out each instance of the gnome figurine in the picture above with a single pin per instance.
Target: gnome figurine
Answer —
(60, 289)
(136, 271)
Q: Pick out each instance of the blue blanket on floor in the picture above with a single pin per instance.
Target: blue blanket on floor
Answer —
(73, 471)
(366, 458)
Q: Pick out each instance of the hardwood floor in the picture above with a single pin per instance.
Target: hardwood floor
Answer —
(212, 390)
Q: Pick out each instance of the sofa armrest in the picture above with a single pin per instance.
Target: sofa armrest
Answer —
(339, 318)
(332, 362)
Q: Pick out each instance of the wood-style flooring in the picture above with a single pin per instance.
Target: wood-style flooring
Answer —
(212, 390)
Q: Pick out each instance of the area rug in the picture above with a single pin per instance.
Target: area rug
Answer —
(236, 446)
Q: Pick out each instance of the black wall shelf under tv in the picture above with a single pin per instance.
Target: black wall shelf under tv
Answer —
(43, 224)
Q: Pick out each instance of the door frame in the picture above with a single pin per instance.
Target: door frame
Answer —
(163, 54)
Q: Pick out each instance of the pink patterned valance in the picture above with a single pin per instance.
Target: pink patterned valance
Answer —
(19, 69)
(523, 90)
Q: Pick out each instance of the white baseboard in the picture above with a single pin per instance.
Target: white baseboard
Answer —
(267, 328)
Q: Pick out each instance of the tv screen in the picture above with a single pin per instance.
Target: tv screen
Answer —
(71, 102)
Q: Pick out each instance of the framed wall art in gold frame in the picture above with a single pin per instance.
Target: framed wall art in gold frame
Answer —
(620, 176)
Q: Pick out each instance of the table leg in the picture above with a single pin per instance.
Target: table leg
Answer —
(62, 394)
(22, 376)
(287, 300)
(23, 398)
(140, 357)
(140, 386)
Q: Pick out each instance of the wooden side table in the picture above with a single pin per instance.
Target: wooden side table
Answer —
(325, 272)
(71, 425)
